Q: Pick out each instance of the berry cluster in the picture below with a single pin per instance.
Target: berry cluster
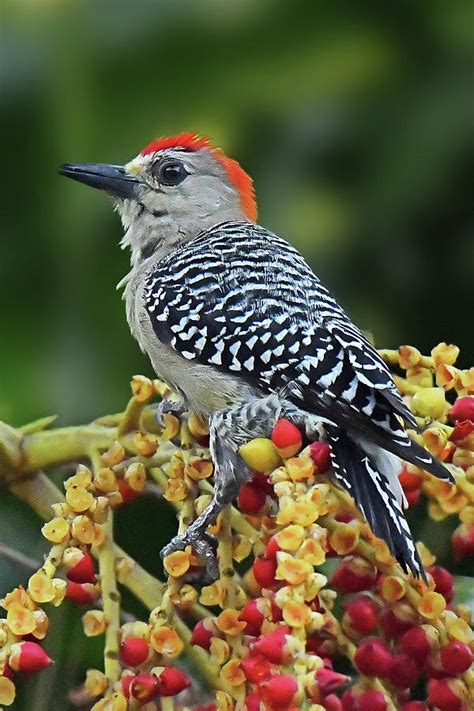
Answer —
(310, 611)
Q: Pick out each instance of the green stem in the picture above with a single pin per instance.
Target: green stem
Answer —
(111, 602)
(67, 444)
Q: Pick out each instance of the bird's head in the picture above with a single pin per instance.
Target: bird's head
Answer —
(171, 191)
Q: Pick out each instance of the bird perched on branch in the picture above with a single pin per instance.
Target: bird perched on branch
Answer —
(235, 321)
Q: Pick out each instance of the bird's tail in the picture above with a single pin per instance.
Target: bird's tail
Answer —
(356, 472)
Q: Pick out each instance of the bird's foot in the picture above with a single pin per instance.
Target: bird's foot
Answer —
(205, 547)
(169, 407)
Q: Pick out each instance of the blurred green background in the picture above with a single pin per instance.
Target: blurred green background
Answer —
(355, 119)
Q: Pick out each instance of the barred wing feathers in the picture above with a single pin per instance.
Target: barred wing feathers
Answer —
(242, 300)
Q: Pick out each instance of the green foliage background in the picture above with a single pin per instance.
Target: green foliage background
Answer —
(355, 120)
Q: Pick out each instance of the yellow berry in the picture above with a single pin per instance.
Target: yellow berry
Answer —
(177, 564)
(56, 530)
(142, 388)
(197, 425)
(42, 624)
(79, 499)
(82, 477)
(114, 455)
(59, 586)
(409, 357)
(176, 490)
(232, 673)
(293, 570)
(145, 444)
(344, 539)
(392, 588)
(105, 480)
(7, 691)
(296, 614)
(431, 605)
(198, 468)
(135, 476)
(430, 402)
(165, 640)
(96, 682)
(94, 623)
(219, 651)
(229, 623)
(20, 620)
(83, 529)
(40, 587)
(260, 455)
(445, 353)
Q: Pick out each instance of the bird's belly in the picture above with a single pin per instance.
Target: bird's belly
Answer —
(204, 389)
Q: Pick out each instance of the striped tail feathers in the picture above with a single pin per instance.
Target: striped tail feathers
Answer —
(355, 472)
(414, 453)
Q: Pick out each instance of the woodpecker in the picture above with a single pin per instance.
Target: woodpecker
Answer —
(236, 322)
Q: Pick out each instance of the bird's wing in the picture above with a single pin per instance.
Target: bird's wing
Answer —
(243, 301)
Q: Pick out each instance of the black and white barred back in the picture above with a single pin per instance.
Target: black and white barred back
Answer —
(244, 301)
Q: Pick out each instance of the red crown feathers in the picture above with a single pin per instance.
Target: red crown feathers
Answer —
(237, 175)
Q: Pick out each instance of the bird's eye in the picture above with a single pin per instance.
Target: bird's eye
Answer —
(170, 173)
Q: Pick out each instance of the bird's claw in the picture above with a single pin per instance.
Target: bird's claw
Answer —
(169, 407)
(203, 544)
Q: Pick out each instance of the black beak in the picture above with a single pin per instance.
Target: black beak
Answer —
(111, 178)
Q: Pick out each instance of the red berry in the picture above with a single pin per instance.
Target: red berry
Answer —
(444, 581)
(203, 632)
(370, 699)
(83, 570)
(145, 688)
(264, 572)
(463, 541)
(128, 494)
(413, 497)
(348, 701)
(324, 648)
(415, 706)
(353, 575)
(276, 612)
(461, 431)
(252, 702)
(373, 657)
(442, 694)
(256, 669)
(278, 692)
(403, 672)
(287, 438)
(361, 613)
(28, 657)
(434, 669)
(134, 651)
(172, 681)
(126, 683)
(272, 549)
(251, 615)
(409, 480)
(272, 646)
(251, 499)
(332, 703)
(416, 645)
(463, 409)
(456, 658)
(261, 481)
(398, 619)
(81, 593)
(320, 453)
(330, 680)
